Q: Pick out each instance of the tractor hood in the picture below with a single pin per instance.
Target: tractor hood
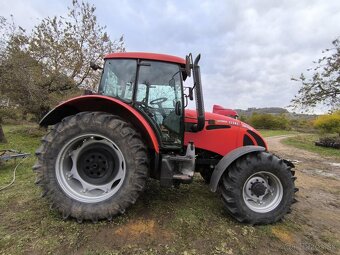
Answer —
(215, 119)
(221, 134)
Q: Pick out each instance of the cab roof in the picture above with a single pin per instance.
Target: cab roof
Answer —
(147, 56)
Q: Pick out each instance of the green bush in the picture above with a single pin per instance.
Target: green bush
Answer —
(329, 123)
(302, 125)
(244, 118)
(269, 121)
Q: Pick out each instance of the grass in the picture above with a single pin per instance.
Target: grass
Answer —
(306, 142)
(188, 220)
(268, 133)
(302, 141)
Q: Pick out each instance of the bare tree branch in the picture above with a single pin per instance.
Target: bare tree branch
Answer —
(323, 87)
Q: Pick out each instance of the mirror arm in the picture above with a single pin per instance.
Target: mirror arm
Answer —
(95, 67)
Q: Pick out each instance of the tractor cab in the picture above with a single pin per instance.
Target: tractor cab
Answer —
(154, 88)
(152, 84)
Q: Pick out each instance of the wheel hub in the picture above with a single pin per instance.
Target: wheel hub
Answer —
(262, 192)
(96, 165)
(258, 189)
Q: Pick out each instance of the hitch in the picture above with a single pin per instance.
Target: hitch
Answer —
(6, 155)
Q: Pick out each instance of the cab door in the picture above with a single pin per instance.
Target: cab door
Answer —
(159, 96)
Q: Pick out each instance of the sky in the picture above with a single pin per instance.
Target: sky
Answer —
(249, 49)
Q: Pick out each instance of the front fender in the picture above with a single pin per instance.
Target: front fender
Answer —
(103, 104)
(225, 162)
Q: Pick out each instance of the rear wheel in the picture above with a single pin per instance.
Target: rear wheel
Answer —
(258, 188)
(92, 166)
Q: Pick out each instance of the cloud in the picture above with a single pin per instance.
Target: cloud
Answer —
(27, 14)
(268, 46)
(250, 49)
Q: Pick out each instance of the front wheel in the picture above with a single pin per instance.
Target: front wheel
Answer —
(258, 188)
(92, 166)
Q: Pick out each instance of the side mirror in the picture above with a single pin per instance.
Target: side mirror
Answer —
(188, 65)
(94, 66)
(178, 108)
(186, 101)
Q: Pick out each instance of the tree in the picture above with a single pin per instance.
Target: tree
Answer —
(24, 83)
(3, 25)
(323, 85)
(2, 135)
(66, 46)
(4, 112)
(39, 69)
(329, 123)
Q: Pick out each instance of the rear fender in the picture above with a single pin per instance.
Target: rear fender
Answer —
(227, 160)
(100, 103)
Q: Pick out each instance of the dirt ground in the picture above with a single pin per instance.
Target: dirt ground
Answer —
(313, 227)
(190, 220)
(318, 207)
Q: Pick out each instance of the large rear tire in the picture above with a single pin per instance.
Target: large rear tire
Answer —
(92, 166)
(258, 188)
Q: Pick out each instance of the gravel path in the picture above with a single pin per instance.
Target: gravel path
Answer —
(318, 211)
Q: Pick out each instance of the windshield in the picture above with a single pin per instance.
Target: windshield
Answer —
(158, 93)
(159, 80)
(118, 78)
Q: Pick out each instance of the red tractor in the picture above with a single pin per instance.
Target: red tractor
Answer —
(224, 111)
(95, 160)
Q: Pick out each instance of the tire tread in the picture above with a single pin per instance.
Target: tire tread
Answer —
(105, 209)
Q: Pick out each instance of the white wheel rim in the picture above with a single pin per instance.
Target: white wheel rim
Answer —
(262, 192)
(95, 180)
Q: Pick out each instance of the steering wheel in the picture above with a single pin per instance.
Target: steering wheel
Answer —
(158, 101)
